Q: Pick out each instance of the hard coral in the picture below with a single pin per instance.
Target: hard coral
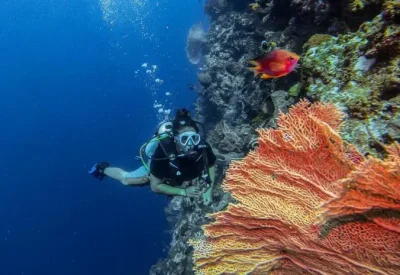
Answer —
(280, 188)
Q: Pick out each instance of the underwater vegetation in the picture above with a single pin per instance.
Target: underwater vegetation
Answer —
(306, 203)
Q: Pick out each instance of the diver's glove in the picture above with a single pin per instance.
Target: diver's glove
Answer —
(97, 170)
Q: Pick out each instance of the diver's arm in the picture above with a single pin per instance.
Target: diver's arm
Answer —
(157, 186)
(207, 196)
(211, 172)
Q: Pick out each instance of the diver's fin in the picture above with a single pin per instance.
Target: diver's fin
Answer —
(277, 67)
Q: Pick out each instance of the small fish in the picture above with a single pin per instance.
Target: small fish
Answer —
(274, 64)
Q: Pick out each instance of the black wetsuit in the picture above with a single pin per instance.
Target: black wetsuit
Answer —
(188, 169)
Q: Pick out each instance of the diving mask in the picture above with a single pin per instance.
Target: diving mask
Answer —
(188, 138)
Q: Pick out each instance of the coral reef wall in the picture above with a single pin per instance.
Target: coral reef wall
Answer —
(349, 56)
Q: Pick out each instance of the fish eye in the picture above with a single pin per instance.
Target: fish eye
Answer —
(291, 58)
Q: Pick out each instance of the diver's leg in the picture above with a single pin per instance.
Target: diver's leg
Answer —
(137, 177)
(115, 173)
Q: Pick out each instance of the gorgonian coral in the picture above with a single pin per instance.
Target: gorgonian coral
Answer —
(296, 212)
(195, 43)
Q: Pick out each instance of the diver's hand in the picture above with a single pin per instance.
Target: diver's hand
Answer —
(192, 191)
(97, 170)
(207, 197)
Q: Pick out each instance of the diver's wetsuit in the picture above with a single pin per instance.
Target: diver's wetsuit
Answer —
(188, 169)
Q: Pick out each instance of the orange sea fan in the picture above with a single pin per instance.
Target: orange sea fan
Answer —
(280, 189)
(372, 189)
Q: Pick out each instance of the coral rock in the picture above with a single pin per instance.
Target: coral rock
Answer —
(204, 79)
(359, 72)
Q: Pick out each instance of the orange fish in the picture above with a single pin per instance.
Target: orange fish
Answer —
(274, 64)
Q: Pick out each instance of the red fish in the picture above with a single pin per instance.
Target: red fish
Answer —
(274, 64)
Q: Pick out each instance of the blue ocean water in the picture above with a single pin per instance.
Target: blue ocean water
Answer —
(74, 92)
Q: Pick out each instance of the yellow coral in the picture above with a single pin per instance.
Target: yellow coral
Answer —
(356, 5)
(254, 6)
(316, 40)
(391, 9)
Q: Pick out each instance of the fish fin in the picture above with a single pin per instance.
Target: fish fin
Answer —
(266, 76)
(254, 62)
(254, 69)
(277, 67)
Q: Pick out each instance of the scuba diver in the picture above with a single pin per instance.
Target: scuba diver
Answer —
(140, 176)
(176, 154)
(183, 156)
